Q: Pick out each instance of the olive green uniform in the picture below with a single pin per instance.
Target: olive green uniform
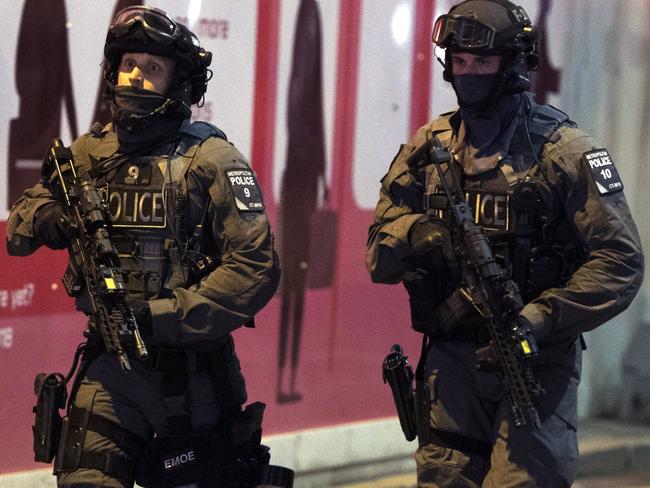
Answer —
(186, 206)
(604, 277)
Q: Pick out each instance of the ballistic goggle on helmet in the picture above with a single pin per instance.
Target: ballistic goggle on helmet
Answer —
(151, 30)
(484, 26)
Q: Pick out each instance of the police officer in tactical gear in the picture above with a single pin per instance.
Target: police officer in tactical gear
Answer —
(197, 254)
(551, 202)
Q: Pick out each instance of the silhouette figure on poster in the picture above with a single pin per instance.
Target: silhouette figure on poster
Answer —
(102, 109)
(43, 82)
(303, 175)
(547, 78)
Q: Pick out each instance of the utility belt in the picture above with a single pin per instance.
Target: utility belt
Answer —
(473, 334)
(162, 359)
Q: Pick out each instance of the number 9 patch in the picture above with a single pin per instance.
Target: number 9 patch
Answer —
(248, 196)
(603, 171)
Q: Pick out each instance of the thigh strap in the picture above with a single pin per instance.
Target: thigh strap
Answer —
(113, 465)
(72, 456)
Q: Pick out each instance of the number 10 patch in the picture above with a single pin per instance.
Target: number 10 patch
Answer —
(603, 171)
(248, 196)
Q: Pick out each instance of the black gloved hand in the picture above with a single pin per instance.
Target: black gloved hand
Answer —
(524, 331)
(486, 359)
(52, 226)
(142, 313)
(431, 243)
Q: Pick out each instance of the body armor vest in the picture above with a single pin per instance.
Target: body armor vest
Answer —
(515, 204)
(147, 200)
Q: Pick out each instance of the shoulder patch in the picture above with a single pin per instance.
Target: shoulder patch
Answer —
(248, 196)
(603, 171)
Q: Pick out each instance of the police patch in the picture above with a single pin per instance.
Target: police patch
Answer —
(491, 209)
(603, 171)
(248, 196)
(133, 206)
(133, 174)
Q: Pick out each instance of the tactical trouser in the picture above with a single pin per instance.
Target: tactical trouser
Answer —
(470, 404)
(118, 412)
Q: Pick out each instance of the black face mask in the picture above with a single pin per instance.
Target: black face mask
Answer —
(135, 108)
(473, 90)
(490, 129)
(144, 118)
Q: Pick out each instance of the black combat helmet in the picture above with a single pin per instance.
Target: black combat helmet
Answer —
(151, 30)
(491, 27)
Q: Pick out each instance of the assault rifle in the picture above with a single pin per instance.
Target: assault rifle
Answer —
(496, 299)
(93, 259)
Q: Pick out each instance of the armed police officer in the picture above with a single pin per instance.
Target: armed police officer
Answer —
(197, 258)
(550, 201)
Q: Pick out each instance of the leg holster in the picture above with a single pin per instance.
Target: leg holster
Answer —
(51, 396)
(72, 455)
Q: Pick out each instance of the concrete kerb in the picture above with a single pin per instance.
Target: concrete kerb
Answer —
(609, 446)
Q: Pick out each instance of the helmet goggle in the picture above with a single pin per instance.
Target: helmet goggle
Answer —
(464, 32)
(155, 23)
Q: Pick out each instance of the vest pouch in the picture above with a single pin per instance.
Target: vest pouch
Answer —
(175, 460)
(423, 301)
(51, 395)
(544, 271)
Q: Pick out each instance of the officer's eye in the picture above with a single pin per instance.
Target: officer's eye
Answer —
(154, 68)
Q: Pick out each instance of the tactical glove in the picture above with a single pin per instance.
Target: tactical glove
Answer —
(52, 226)
(142, 313)
(486, 359)
(431, 243)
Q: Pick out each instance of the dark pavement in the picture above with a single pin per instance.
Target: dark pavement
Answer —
(614, 454)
